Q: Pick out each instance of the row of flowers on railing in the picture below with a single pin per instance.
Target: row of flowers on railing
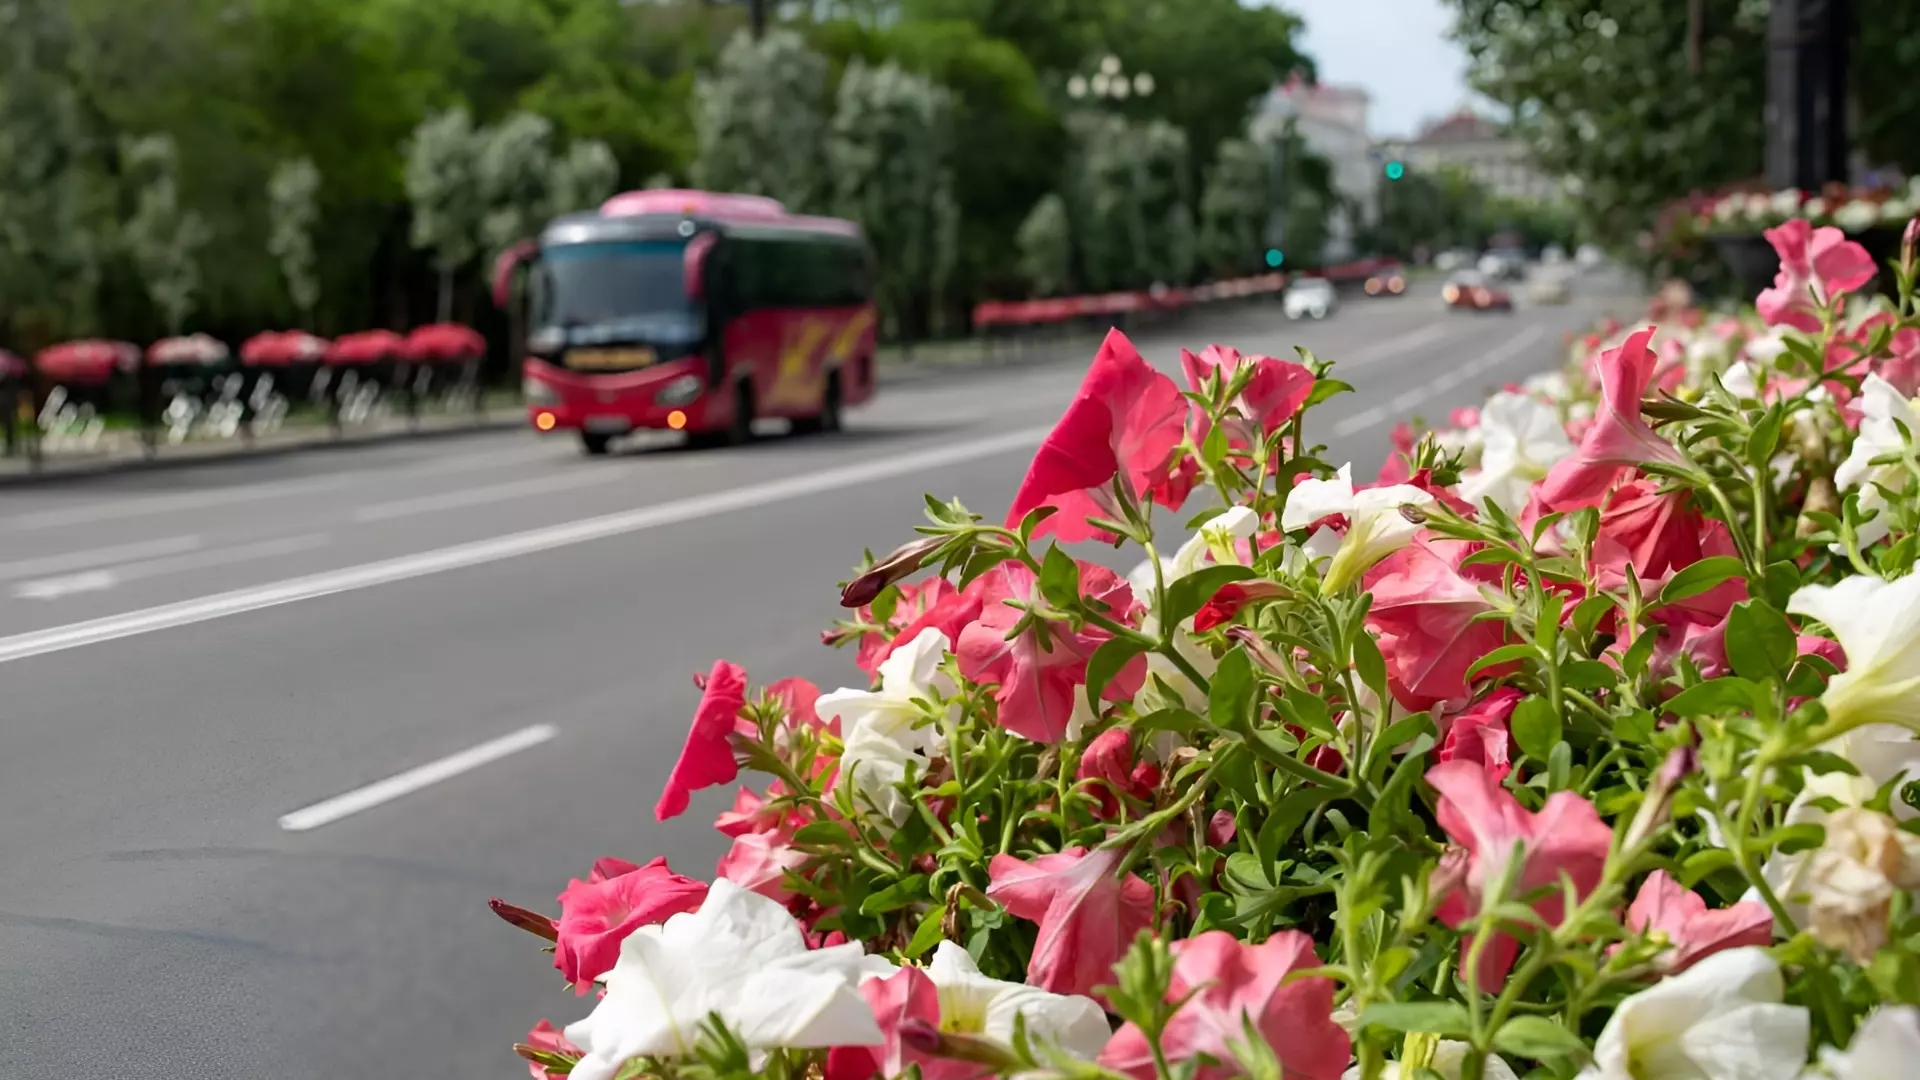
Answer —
(1580, 742)
(97, 360)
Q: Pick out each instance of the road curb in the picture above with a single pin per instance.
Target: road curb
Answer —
(15, 474)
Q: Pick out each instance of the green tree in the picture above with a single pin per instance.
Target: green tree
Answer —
(582, 178)
(293, 197)
(513, 172)
(443, 184)
(163, 239)
(1233, 208)
(1045, 243)
(761, 120)
(889, 155)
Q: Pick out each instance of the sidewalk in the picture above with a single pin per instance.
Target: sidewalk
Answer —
(121, 450)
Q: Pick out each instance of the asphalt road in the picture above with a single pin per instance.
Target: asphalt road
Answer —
(189, 656)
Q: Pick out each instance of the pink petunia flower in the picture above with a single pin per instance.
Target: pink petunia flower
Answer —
(596, 915)
(707, 758)
(545, 1037)
(933, 603)
(1232, 983)
(1480, 734)
(1817, 266)
(1665, 906)
(1040, 669)
(1272, 395)
(1088, 917)
(1619, 437)
(1566, 837)
(1109, 758)
(1426, 614)
(1127, 420)
(906, 995)
(759, 861)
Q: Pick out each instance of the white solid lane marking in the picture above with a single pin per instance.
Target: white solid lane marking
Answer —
(421, 564)
(1402, 403)
(406, 783)
(53, 588)
(68, 562)
(492, 493)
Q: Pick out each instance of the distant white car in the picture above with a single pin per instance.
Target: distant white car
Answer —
(1589, 256)
(1310, 298)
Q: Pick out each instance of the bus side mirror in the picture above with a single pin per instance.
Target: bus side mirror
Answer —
(695, 265)
(511, 261)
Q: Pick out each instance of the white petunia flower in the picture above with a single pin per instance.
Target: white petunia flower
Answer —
(1523, 439)
(972, 1004)
(1722, 1019)
(1885, 1047)
(1741, 381)
(1857, 216)
(1883, 409)
(884, 731)
(1764, 349)
(741, 956)
(1551, 385)
(1878, 625)
(1376, 527)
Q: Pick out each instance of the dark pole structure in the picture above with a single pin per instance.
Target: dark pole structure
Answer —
(1807, 92)
(757, 18)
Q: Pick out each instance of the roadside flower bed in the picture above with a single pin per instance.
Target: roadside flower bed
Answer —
(1577, 743)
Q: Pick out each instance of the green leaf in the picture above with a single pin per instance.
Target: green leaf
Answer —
(1107, 661)
(1766, 436)
(1505, 654)
(1060, 578)
(1635, 728)
(927, 935)
(1446, 1018)
(1700, 577)
(1559, 766)
(1190, 593)
(1324, 389)
(1701, 864)
(1177, 720)
(896, 896)
(1537, 1038)
(1587, 675)
(823, 834)
(1535, 726)
(1726, 695)
(1033, 519)
(1230, 693)
(1368, 663)
(1760, 643)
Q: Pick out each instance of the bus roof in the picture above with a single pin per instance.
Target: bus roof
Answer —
(661, 213)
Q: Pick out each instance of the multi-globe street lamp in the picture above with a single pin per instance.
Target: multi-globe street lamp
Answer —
(1110, 82)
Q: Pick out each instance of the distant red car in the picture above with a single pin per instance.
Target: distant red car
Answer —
(1471, 294)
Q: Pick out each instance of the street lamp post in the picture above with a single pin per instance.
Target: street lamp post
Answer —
(1277, 185)
(1109, 82)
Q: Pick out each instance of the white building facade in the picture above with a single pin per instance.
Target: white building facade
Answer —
(1476, 146)
(1332, 122)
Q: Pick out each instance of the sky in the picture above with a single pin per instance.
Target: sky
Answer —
(1396, 50)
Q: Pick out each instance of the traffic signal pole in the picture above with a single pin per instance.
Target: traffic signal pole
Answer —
(1807, 46)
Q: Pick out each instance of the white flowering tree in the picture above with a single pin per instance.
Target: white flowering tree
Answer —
(1045, 242)
(514, 169)
(442, 185)
(162, 237)
(890, 153)
(582, 178)
(293, 211)
(1109, 222)
(760, 120)
(1234, 206)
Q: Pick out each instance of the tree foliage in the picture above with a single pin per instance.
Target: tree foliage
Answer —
(293, 196)
(1045, 242)
(1233, 208)
(163, 238)
(889, 157)
(761, 118)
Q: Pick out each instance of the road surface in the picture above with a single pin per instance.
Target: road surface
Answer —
(207, 673)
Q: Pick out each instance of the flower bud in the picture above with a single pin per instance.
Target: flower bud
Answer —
(1681, 762)
(531, 921)
(1258, 650)
(1909, 241)
(905, 560)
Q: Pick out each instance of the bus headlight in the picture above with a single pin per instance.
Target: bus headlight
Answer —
(538, 393)
(546, 341)
(681, 391)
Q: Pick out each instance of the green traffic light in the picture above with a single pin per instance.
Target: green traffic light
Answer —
(1274, 257)
(1395, 170)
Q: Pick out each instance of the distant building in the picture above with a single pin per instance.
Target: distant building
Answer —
(1475, 145)
(1332, 122)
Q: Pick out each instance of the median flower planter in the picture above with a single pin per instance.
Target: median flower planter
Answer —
(1577, 743)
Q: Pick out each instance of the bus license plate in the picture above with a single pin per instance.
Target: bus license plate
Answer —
(608, 425)
(609, 359)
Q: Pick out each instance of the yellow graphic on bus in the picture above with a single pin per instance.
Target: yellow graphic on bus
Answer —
(849, 338)
(793, 379)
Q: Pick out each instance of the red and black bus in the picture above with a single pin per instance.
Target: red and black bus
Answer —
(696, 312)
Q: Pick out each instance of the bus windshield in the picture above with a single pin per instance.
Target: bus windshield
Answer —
(594, 285)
